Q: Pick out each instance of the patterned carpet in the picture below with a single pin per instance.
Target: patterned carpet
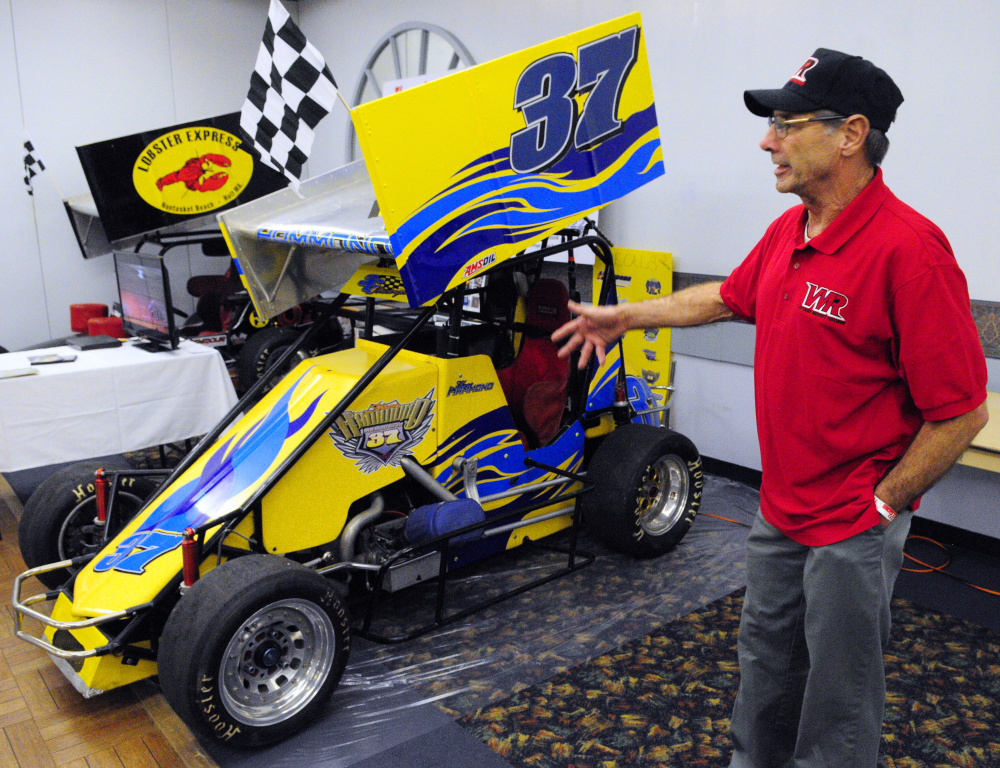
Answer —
(665, 698)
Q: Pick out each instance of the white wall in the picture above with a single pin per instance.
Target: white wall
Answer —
(77, 72)
(713, 404)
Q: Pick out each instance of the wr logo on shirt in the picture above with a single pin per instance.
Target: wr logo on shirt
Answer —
(823, 301)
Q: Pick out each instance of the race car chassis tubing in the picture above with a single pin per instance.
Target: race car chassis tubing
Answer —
(139, 615)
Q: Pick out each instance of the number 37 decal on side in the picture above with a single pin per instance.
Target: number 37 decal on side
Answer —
(546, 94)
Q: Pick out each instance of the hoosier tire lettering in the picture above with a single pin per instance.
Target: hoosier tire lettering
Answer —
(648, 489)
(58, 522)
(253, 650)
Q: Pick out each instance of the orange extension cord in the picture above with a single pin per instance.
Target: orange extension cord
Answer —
(940, 568)
(927, 567)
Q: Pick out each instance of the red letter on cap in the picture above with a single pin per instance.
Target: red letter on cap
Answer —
(800, 76)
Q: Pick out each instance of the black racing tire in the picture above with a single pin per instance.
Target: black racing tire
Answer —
(649, 483)
(58, 519)
(260, 353)
(253, 650)
(261, 350)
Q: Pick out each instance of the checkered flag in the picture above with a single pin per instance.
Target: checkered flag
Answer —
(33, 164)
(291, 90)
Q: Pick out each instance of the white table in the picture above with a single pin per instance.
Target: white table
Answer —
(108, 401)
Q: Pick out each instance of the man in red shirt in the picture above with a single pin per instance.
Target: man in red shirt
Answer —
(870, 381)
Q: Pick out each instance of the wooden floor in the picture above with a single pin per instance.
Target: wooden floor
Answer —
(44, 722)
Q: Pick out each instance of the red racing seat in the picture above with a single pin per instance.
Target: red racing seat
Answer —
(535, 385)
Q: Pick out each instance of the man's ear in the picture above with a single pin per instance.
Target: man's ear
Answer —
(855, 132)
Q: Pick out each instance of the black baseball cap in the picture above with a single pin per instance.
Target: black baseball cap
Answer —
(848, 85)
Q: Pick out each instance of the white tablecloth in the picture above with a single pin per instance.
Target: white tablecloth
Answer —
(108, 401)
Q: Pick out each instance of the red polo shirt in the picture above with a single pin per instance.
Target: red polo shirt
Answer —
(863, 333)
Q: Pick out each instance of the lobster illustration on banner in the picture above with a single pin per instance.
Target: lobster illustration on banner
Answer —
(199, 174)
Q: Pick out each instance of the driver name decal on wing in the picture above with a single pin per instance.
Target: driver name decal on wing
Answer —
(326, 238)
(383, 433)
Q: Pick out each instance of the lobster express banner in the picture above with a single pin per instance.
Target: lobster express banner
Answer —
(155, 179)
(473, 168)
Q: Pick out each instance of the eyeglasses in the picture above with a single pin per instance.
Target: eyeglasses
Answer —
(780, 124)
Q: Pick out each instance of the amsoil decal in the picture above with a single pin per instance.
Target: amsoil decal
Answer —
(479, 265)
(823, 301)
(192, 170)
(383, 433)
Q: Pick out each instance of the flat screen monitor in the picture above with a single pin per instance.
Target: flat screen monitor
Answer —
(144, 289)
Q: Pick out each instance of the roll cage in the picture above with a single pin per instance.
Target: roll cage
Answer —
(407, 328)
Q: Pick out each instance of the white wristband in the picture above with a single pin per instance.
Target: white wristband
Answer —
(885, 510)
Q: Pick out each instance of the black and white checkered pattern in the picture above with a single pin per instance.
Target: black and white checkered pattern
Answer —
(291, 90)
(33, 164)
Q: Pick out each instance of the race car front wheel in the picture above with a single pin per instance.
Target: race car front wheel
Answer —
(648, 489)
(59, 521)
(253, 650)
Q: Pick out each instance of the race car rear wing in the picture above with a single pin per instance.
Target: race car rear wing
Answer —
(469, 170)
(289, 249)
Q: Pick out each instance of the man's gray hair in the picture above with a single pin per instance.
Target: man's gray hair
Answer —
(876, 145)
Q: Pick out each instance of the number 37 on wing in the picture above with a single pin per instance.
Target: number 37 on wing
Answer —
(492, 159)
(547, 91)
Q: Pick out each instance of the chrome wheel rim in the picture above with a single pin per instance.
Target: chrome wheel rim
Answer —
(663, 495)
(276, 662)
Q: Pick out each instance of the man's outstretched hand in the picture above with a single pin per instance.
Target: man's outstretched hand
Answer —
(591, 331)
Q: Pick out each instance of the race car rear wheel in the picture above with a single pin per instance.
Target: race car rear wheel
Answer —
(59, 518)
(253, 650)
(648, 489)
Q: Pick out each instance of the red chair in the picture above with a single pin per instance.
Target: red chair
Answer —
(105, 326)
(79, 314)
(536, 384)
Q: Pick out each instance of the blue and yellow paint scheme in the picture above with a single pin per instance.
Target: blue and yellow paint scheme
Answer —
(428, 408)
(468, 171)
(473, 168)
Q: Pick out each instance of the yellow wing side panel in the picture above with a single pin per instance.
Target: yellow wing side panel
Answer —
(642, 275)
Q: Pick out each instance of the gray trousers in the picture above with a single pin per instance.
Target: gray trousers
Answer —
(814, 626)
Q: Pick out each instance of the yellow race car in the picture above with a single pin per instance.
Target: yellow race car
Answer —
(369, 469)
(448, 432)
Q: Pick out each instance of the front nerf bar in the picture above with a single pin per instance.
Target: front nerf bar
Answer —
(21, 610)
